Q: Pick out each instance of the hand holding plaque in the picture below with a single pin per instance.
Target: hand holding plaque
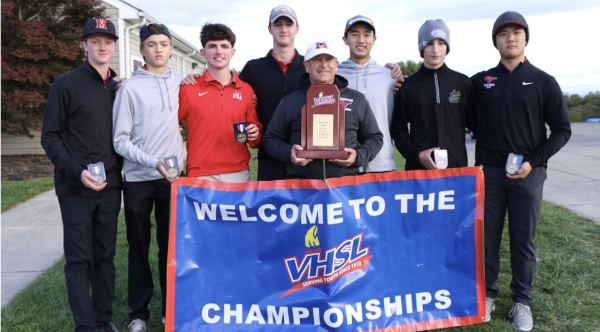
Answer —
(323, 129)
(172, 167)
(97, 171)
(513, 163)
(239, 132)
(441, 158)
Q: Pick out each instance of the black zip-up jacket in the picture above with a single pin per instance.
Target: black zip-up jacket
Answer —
(512, 111)
(270, 85)
(362, 132)
(77, 130)
(438, 104)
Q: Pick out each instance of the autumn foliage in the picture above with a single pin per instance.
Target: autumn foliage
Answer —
(40, 41)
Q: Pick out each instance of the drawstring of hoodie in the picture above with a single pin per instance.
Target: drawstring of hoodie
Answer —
(162, 99)
(161, 93)
(168, 95)
(366, 75)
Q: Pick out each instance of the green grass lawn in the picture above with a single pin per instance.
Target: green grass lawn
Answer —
(15, 192)
(566, 295)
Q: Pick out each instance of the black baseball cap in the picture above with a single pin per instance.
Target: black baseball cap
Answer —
(99, 24)
(359, 19)
(145, 31)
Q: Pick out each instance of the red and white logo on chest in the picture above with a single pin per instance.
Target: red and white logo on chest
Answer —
(237, 95)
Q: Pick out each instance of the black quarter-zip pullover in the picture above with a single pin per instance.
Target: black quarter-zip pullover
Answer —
(271, 84)
(438, 104)
(513, 108)
(77, 130)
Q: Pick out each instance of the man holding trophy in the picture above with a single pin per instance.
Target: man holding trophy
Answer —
(362, 137)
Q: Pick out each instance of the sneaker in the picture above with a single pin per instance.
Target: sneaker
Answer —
(490, 305)
(521, 316)
(137, 325)
(107, 326)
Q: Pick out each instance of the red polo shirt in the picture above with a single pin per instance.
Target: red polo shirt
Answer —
(209, 109)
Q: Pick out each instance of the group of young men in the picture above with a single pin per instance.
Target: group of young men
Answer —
(132, 129)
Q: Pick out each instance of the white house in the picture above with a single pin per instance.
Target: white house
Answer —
(128, 19)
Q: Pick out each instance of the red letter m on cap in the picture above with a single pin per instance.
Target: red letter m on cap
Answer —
(101, 23)
(321, 45)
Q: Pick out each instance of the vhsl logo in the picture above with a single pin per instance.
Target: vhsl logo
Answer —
(316, 269)
(237, 95)
(323, 100)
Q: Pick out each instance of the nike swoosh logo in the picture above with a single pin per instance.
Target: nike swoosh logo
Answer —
(525, 83)
(202, 94)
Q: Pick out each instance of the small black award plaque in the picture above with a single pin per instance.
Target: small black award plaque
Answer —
(239, 132)
(172, 167)
(97, 170)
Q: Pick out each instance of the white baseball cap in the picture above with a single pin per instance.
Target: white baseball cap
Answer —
(317, 48)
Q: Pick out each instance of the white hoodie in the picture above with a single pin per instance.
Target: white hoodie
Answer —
(146, 124)
(377, 84)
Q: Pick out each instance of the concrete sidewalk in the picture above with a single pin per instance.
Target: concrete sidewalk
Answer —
(32, 236)
(32, 232)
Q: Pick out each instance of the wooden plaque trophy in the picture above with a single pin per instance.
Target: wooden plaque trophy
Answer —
(323, 133)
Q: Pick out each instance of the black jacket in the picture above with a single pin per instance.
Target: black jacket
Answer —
(270, 85)
(513, 109)
(362, 132)
(438, 104)
(77, 130)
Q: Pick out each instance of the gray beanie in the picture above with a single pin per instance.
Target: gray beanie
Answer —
(433, 29)
(510, 18)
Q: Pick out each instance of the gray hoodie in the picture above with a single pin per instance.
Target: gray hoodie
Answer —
(377, 84)
(145, 123)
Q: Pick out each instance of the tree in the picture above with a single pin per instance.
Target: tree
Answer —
(409, 67)
(582, 108)
(40, 40)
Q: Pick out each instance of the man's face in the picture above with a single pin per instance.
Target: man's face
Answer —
(434, 54)
(511, 41)
(321, 69)
(218, 53)
(360, 38)
(100, 48)
(157, 50)
(284, 31)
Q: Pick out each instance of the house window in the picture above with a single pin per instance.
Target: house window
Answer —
(136, 62)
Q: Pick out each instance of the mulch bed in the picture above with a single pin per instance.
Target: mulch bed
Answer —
(26, 167)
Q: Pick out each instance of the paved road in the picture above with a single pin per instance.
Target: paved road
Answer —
(32, 232)
(573, 173)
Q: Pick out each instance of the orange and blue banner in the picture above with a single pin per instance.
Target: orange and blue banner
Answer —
(398, 251)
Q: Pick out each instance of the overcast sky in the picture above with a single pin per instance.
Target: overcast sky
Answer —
(564, 34)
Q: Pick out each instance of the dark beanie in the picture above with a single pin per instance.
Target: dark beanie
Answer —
(510, 18)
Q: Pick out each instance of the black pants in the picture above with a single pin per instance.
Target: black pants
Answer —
(139, 199)
(90, 237)
(523, 198)
(269, 170)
